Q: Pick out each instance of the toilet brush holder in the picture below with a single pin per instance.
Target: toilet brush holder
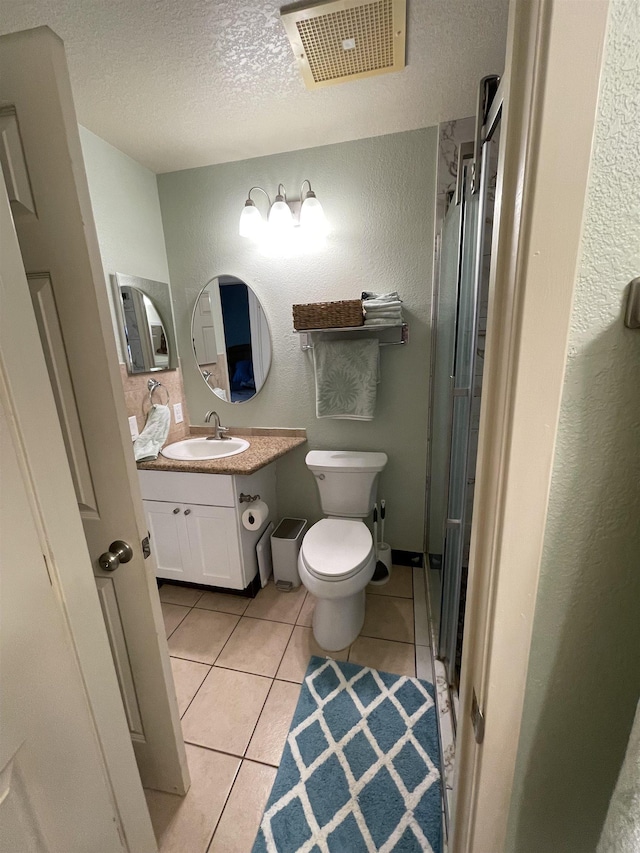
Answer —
(384, 554)
(383, 562)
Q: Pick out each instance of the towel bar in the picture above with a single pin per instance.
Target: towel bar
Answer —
(305, 342)
(153, 386)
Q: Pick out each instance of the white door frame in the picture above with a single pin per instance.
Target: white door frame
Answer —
(552, 74)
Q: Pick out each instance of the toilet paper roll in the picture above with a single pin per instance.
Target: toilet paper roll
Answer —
(255, 515)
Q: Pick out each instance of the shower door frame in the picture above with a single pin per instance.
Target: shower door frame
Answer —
(473, 181)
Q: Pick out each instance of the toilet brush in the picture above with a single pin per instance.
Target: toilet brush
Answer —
(381, 572)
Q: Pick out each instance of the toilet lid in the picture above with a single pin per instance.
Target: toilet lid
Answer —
(337, 548)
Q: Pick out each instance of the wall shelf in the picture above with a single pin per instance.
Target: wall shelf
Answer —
(400, 338)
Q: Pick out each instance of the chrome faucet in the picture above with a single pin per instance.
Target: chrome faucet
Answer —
(218, 430)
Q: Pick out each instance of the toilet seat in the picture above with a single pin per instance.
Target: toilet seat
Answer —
(335, 549)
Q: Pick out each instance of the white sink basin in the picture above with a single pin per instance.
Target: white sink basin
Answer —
(204, 448)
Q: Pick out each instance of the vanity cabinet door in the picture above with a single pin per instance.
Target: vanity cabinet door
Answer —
(169, 540)
(214, 544)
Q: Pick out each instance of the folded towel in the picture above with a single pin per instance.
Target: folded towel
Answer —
(391, 314)
(386, 313)
(621, 831)
(370, 304)
(382, 297)
(383, 321)
(346, 378)
(148, 444)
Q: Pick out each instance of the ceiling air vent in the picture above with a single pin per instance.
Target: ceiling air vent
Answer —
(344, 40)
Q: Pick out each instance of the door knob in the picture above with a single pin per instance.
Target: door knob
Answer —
(176, 510)
(119, 552)
(187, 512)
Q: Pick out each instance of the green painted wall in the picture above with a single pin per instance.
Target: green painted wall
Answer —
(379, 197)
(126, 209)
(584, 675)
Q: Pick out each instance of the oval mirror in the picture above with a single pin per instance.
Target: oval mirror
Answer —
(231, 340)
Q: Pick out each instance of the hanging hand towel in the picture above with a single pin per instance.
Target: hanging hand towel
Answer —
(346, 379)
(148, 444)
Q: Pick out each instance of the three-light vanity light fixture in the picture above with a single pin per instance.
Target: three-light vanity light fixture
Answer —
(281, 218)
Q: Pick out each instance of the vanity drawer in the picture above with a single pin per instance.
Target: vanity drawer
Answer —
(181, 487)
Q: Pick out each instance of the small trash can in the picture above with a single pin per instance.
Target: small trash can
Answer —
(286, 540)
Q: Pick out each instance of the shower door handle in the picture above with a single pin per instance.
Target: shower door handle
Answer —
(452, 385)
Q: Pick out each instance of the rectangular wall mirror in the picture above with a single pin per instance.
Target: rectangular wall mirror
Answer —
(145, 321)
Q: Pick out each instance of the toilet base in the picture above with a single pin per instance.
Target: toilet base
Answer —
(338, 621)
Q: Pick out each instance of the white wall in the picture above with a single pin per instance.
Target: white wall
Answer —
(379, 197)
(584, 678)
(124, 198)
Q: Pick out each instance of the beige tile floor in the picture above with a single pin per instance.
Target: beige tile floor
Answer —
(237, 666)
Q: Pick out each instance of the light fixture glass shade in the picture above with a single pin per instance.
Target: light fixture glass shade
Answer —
(280, 217)
(251, 222)
(312, 218)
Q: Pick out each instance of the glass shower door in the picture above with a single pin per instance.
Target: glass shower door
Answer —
(460, 407)
(445, 309)
(459, 318)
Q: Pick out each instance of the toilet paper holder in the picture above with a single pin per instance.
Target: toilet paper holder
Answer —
(248, 498)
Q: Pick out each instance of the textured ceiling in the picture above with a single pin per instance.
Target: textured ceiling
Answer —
(183, 83)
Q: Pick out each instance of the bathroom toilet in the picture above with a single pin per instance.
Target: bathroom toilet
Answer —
(337, 558)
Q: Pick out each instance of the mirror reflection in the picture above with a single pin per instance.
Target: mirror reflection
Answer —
(147, 339)
(231, 340)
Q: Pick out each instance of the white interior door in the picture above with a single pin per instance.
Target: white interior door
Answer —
(58, 242)
(53, 790)
(204, 336)
(68, 776)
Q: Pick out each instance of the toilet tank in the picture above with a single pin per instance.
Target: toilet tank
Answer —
(347, 480)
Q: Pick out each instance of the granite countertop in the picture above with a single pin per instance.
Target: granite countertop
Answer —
(262, 450)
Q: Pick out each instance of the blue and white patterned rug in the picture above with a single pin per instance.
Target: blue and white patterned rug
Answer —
(360, 769)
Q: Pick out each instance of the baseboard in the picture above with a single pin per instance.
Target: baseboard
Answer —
(249, 591)
(406, 558)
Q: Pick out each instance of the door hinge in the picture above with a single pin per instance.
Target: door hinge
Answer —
(477, 718)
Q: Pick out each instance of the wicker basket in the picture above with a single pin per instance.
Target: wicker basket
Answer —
(328, 315)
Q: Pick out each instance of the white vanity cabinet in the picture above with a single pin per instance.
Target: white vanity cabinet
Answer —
(195, 525)
(195, 543)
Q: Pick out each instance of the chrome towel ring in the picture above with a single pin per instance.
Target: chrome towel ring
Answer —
(153, 385)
